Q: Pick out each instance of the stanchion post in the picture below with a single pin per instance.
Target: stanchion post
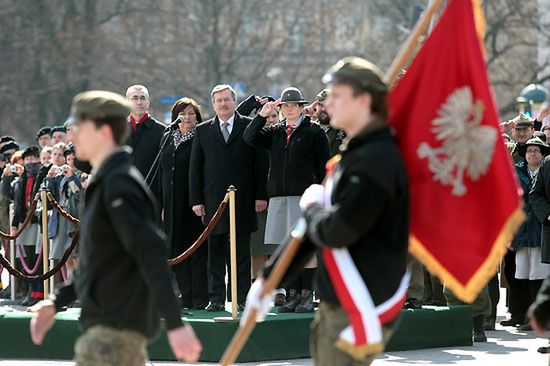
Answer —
(45, 254)
(233, 250)
(12, 254)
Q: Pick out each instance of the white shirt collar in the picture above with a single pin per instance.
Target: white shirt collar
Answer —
(230, 121)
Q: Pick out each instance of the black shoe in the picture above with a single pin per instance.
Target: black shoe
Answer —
(306, 302)
(240, 307)
(293, 301)
(280, 300)
(511, 322)
(544, 349)
(215, 307)
(478, 331)
(525, 328)
(199, 306)
(34, 301)
(5, 293)
(413, 304)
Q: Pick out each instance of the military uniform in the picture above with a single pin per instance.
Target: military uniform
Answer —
(123, 280)
(335, 136)
(521, 121)
(366, 193)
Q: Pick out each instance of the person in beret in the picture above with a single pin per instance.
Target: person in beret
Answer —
(347, 221)
(44, 137)
(123, 281)
(59, 134)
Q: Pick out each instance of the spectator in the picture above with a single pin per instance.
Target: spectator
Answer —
(145, 135)
(180, 223)
(299, 151)
(335, 136)
(59, 134)
(220, 158)
(530, 271)
(44, 137)
(46, 155)
(19, 187)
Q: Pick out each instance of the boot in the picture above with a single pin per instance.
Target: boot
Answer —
(306, 302)
(280, 300)
(293, 301)
(478, 331)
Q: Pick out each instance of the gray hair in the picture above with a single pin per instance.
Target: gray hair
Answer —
(137, 87)
(222, 87)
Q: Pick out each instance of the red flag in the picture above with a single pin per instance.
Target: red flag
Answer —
(465, 200)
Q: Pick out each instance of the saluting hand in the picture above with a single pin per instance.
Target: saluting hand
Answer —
(269, 107)
(310, 109)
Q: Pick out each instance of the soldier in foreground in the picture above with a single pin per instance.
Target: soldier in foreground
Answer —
(357, 223)
(123, 280)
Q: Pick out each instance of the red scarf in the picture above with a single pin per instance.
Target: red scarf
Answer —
(28, 191)
(141, 120)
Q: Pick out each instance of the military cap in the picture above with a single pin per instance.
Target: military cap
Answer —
(322, 96)
(292, 95)
(9, 146)
(523, 121)
(100, 104)
(43, 131)
(357, 70)
(59, 129)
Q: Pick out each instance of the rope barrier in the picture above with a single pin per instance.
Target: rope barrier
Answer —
(204, 235)
(40, 278)
(30, 214)
(67, 216)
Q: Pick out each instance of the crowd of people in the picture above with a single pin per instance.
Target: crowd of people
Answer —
(271, 151)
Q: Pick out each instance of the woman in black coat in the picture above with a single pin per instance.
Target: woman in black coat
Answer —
(180, 223)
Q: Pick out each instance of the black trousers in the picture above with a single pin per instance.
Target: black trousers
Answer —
(192, 278)
(219, 258)
(518, 290)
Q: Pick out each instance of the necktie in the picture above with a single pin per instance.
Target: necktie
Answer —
(289, 130)
(225, 131)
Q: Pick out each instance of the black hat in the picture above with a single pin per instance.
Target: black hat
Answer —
(31, 151)
(59, 129)
(5, 139)
(293, 95)
(9, 146)
(43, 131)
(544, 148)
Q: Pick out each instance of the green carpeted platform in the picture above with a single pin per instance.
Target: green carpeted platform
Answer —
(281, 336)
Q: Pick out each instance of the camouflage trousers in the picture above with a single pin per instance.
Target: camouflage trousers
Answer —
(329, 321)
(105, 346)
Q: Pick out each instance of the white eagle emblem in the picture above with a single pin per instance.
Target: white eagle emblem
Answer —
(467, 147)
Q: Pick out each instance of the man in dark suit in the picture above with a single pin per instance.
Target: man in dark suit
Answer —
(220, 158)
(145, 135)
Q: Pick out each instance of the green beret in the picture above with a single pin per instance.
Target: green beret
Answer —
(100, 104)
(357, 70)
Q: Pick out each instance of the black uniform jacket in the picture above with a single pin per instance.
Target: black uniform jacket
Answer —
(369, 216)
(123, 280)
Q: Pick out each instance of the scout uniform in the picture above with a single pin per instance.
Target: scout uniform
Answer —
(123, 280)
(360, 234)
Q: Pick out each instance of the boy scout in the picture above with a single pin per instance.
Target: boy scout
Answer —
(123, 280)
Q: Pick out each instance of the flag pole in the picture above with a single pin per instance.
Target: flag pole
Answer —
(239, 339)
(408, 47)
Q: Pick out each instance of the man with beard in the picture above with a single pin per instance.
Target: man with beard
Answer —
(335, 137)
